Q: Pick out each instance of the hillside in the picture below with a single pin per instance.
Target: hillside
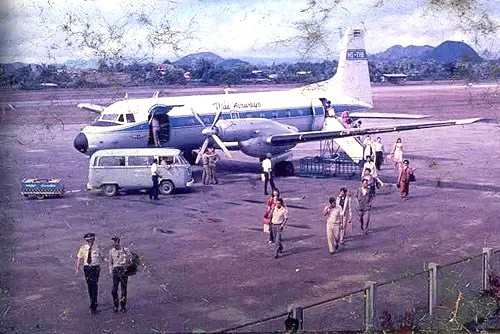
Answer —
(453, 51)
(193, 58)
(397, 52)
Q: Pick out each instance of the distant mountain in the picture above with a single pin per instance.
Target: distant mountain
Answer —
(397, 52)
(228, 64)
(191, 59)
(267, 61)
(452, 51)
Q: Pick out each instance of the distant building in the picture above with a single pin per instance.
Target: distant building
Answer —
(394, 78)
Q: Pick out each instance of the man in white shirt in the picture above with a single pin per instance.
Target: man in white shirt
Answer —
(278, 222)
(153, 192)
(267, 169)
(91, 257)
(379, 153)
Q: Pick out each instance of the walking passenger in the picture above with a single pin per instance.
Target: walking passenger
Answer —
(364, 198)
(278, 222)
(213, 158)
(343, 201)
(397, 154)
(404, 179)
(333, 225)
(379, 153)
(367, 175)
(270, 204)
(368, 148)
(119, 258)
(267, 169)
(91, 257)
(153, 192)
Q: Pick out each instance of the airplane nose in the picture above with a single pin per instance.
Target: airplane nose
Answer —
(81, 143)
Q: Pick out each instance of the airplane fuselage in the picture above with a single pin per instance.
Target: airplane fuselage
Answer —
(180, 128)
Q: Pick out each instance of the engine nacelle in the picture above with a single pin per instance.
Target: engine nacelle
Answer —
(251, 134)
(258, 147)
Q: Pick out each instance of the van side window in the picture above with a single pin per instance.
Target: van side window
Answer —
(165, 161)
(130, 118)
(140, 160)
(112, 161)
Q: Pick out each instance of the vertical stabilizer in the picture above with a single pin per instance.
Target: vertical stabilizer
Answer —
(352, 78)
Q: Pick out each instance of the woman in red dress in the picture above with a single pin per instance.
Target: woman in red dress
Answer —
(270, 204)
(404, 179)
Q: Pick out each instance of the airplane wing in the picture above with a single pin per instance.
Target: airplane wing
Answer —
(299, 137)
(92, 107)
(380, 115)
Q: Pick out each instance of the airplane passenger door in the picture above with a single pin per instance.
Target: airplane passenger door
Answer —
(158, 117)
(318, 115)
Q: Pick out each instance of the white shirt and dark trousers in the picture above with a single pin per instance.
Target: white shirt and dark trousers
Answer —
(267, 169)
(153, 192)
(118, 260)
(91, 257)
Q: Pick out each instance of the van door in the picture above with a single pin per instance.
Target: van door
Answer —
(139, 171)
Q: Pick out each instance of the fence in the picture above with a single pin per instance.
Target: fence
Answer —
(441, 297)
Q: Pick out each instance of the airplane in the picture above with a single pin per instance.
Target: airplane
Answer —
(257, 124)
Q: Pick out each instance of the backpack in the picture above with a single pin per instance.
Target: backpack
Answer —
(134, 263)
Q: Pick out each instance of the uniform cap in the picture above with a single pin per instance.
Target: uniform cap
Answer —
(89, 236)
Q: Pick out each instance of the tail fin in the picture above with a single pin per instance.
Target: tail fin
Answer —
(352, 78)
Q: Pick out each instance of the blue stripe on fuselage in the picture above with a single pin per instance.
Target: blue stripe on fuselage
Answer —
(190, 121)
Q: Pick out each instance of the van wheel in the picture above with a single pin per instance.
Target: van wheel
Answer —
(110, 190)
(167, 187)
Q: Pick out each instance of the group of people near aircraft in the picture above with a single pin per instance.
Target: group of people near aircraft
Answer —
(338, 211)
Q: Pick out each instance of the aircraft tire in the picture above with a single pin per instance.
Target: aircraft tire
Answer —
(110, 190)
(167, 187)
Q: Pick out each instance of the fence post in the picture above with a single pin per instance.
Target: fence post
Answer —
(486, 269)
(298, 313)
(369, 306)
(433, 289)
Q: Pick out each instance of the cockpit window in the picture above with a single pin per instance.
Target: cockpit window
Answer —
(109, 117)
(130, 118)
(120, 119)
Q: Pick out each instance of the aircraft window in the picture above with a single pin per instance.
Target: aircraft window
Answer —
(120, 119)
(140, 161)
(109, 117)
(166, 161)
(112, 161)
(130, 118)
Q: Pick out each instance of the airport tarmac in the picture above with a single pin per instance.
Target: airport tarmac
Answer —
(207, 264)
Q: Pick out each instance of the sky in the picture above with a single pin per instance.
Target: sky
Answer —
(32, 31)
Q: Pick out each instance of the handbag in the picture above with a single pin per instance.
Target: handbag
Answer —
(412, 178)
(133, 265)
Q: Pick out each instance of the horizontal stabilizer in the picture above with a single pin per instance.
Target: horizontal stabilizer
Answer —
(381, 115)
(288, 138)
(92, 107)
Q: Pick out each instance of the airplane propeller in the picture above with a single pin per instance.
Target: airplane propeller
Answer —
(210, 132)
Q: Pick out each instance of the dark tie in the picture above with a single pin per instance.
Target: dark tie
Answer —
(89, 256)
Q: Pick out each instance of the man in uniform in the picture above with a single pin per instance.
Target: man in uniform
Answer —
(278, 222)
(205, 176)
(267, 169)
(153, 192)
(91, 257)
(119, 258)
(213, 158)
